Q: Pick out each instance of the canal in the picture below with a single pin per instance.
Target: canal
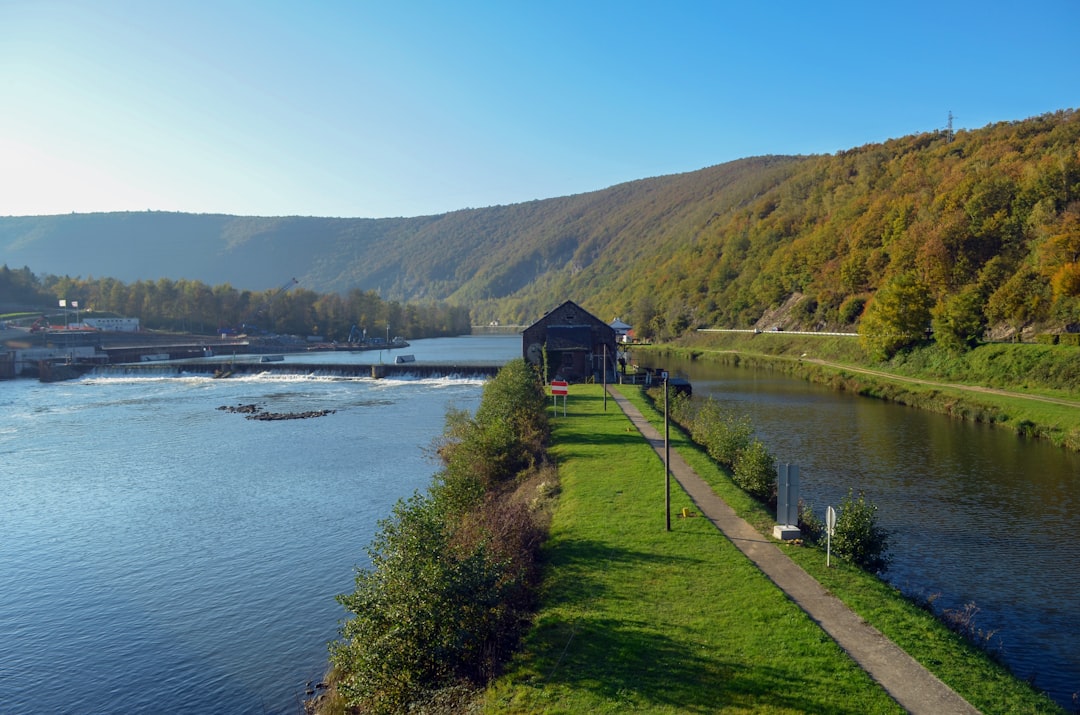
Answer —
(977, 515)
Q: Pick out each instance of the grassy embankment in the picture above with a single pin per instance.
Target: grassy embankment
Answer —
(1031, 389)
(634, 618)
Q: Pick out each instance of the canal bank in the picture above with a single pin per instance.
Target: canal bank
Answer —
(973, 510)
(1028, 389)
(635, 618)
(913, 687)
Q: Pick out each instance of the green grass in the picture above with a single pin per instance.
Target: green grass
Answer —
(638, 619)
(968, 670)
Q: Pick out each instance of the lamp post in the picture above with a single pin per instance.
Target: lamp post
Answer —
(667, 458)
(604, 371)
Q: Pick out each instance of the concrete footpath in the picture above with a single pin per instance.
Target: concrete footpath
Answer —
(915, 688)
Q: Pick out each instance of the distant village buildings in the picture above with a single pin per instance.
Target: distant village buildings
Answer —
(120, 325)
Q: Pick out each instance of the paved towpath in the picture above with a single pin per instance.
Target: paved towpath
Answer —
(914, 687)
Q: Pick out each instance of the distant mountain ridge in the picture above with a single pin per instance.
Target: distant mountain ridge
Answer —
(471, 254)
(991, 216)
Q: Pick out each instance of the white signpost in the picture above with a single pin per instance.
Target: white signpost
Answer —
(830, 529)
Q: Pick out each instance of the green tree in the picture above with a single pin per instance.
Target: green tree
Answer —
(644, 318)
(959, 322)
(897, 317)
(1024, 297)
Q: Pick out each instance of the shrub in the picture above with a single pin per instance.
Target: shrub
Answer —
(755, 471)
(722, 433)
(453, 571)
(858, 537)
(507, 436)
(810, 524)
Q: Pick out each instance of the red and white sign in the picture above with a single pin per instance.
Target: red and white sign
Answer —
(560, 387)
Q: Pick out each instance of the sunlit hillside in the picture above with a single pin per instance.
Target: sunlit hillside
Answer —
(982, 226)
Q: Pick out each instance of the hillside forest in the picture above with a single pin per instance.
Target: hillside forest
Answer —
(968, 234)
(192, 306)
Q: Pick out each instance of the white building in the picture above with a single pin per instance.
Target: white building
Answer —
(120, 325)
(621, 329)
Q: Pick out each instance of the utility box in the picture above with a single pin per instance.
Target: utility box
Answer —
(787, 502)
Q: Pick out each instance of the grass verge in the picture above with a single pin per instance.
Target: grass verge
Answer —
(638, 619)
(970, 671)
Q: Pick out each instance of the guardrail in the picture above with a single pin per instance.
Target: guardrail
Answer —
(774, 332)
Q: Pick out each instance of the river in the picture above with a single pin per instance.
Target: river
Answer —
(977, 515)
(158, 554)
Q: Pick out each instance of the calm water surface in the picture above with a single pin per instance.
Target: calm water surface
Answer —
(158, 554)
(977, 514)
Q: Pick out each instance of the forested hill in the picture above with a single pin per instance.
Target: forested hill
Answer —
(983, 226)
(469, 255)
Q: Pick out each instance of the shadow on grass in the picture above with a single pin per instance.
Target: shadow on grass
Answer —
(634, 663)
(630, 664)
(571, 565)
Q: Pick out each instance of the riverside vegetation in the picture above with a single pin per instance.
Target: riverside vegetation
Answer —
(625, 617)
(454, 571)
(1032, 389)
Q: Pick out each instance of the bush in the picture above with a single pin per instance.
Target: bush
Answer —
(858, 538)
(453, 571)
(722, 433)
(507, 436)
(810, 524)
(755, 471)
(728, 439)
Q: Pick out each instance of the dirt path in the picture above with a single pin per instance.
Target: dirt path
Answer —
(949, 385)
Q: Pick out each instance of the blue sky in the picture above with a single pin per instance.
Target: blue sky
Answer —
(397, 108)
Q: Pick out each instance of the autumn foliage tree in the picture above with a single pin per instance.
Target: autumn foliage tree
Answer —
(897, 317)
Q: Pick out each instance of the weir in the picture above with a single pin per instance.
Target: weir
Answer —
(414, 370)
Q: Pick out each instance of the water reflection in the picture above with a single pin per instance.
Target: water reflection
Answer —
(976, 514)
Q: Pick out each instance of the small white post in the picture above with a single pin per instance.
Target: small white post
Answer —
(830, 527)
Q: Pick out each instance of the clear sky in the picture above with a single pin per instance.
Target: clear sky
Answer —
(400, 108)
